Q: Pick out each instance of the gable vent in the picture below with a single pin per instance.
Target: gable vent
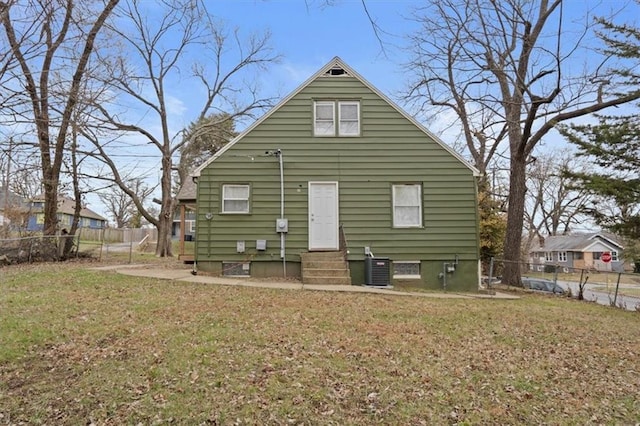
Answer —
(336, 71)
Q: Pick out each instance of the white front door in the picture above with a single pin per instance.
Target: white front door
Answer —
(323, 216)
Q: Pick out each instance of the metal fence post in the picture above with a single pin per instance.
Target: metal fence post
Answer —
(615, 296)
(490, 272)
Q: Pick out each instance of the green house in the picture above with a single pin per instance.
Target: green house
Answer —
(336, 173)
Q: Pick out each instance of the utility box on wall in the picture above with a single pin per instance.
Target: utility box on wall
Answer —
(377, 271)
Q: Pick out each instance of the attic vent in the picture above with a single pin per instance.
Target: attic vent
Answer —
(336, 70)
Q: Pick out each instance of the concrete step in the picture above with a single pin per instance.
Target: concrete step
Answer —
(322, 255)
(327, 280)
(328, 267)
(313, 272)
(324, 264)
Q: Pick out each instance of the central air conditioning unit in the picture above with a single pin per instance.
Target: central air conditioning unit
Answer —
(377, 271)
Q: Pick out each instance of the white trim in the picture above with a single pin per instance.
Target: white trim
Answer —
(336, 62)
(409, 276)
(315, 119)
(393, 205)
(560, 259)
(612, 242)
(357, 120)
(611, 247)
(247, 199)
(336, 212)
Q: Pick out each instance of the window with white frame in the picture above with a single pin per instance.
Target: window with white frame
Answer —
(548, 256)
(192, 225)
(614, 256)
(324, 114)
(235, 198)
(406, 269)
(407, 205)
(348, 118)
(562, 256)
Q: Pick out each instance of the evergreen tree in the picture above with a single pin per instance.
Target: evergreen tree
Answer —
(203, 138)
(614, 146)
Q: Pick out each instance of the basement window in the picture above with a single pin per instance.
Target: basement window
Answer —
(406, 269)
(236, 269)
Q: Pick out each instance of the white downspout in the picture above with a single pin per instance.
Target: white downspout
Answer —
(282, 234)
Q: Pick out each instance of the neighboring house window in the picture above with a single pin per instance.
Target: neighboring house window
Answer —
(577, 255)
(235, 198)
(324, 119)
(192, 225)
(562, 256)
(614, 256)
(410, 269)
(349, 113)
(324, 116)
(548, 256)
(597, 255)
(407, 206)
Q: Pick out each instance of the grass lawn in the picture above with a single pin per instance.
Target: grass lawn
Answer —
(80, 346)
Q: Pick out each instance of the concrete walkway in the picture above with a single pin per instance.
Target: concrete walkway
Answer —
(152, 271)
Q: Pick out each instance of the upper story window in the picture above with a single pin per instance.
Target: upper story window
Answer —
(562, 256)
(348, 118)
(235, 198)
(324, 114)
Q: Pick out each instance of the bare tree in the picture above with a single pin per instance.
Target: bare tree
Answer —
(553, 204)
(503, 69)
(44, 38)
(155, 53)
(120, 205)
(19, 167)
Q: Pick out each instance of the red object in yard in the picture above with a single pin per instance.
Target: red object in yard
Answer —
(606, 257)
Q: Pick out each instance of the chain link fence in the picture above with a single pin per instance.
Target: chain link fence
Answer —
(620, 289)
(49, 248)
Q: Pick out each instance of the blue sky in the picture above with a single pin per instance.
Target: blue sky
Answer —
(307, 34)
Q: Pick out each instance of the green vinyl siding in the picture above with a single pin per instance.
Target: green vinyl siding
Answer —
(389, 150)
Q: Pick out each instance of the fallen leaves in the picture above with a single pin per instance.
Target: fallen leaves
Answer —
(118, 350)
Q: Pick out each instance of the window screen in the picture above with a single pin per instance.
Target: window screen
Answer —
(235, 199)
(407, 206)
(324, 119)
(349, 118)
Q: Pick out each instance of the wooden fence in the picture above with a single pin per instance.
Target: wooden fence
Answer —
(114, 235)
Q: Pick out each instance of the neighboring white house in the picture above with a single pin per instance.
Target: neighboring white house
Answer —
(580, 251)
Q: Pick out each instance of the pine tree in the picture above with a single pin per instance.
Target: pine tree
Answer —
(614, 146)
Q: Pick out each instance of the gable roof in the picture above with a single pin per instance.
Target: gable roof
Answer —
(9, 198)
(67, 206)
(187, 191)
(337, 63)
(577, 242)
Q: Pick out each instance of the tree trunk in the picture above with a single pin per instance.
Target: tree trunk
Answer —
(165, 219)
(50, 208)
(515, 220)
(163, 248)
